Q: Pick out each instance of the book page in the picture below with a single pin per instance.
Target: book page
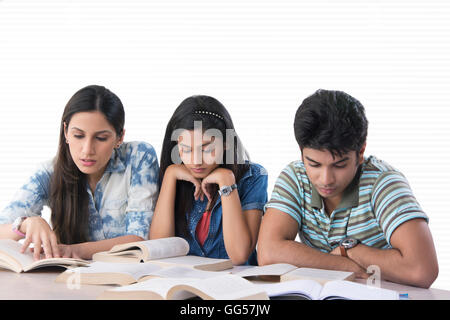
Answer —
(272, 270)
(185, 272)
(12, 248)
(320, 275)
(60, 262)
(166, 247)
(227, 287)
(136, 270)
(190, 260)
(160, 285)
(306, 288)
(356, 291)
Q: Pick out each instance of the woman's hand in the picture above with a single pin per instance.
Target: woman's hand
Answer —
(180, 172)
(38, 232)
(219, 176)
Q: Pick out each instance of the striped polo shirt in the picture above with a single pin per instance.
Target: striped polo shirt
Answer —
(373, 205)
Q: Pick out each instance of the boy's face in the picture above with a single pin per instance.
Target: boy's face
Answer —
(331, 175)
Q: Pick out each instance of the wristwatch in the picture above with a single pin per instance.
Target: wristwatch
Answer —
(226, 190)
(347, 244)
(16, 226)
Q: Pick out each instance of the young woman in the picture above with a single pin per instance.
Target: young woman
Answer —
(211, 195)
(101, 191)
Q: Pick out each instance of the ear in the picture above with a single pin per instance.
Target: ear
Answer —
(120, 140)
(65, 130)
(361, 153)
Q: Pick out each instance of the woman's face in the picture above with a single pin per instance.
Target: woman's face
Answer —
(200, 153)
(91, 139)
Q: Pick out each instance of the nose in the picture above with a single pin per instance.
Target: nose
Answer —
(88, 147)
(327, 177)
(196, 156)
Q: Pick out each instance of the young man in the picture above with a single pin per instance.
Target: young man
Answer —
(350, 212)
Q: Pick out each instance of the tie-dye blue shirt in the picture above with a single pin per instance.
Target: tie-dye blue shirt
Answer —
(123, 201)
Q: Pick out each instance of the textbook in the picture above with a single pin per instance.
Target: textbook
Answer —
(164, 251)
(109, 273)
(286, 272)
(12, 259)
(332, 290)
(223, 287)
(321, 276)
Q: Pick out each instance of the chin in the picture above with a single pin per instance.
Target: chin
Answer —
(87, 170)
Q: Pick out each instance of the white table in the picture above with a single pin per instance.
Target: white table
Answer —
(40, 284)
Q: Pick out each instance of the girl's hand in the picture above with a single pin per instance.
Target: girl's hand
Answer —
(38, 232)
(221, 177)
(180, 172)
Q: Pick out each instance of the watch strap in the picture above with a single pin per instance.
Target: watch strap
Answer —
(343, 251)
(226, 190)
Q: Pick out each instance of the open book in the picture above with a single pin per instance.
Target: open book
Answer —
(332, 290)
(223, 287)
(12, 259)
(164, 251)
(286, 272)
(127, 273)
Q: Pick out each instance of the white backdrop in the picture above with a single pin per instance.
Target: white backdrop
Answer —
(259, 58)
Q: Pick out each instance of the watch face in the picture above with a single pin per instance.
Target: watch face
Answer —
(226, 190)
(349, 243)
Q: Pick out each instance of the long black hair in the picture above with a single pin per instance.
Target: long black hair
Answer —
(69, 200)
(212, 115)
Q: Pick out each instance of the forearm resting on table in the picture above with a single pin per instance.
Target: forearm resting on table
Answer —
(301, 255)
(394, 266)
(412, 259)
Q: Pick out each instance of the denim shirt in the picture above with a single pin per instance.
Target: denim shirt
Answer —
(252, 190)
(123, 202)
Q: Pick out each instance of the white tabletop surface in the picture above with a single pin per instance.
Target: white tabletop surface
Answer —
(40, 284)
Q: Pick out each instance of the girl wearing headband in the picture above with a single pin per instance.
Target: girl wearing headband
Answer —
(211, 194)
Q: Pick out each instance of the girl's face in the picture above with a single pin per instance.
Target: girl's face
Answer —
(91, 139)
(200, 153)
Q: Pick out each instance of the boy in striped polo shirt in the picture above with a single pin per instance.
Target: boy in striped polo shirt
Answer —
(350, 211)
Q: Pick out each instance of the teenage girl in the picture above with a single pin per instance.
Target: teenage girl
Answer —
(101, 190)
(211, 194)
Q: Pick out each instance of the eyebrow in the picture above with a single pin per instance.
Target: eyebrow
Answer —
(98, 132)
(337, 162)
(203, 145)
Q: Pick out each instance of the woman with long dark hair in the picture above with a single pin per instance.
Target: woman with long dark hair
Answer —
(101, 190)
(211, 194)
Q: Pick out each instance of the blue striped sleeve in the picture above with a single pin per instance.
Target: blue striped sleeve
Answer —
(394, 203)
(288, 195)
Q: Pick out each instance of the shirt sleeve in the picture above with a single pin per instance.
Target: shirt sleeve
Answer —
(253, 191)
(30, 199)
(143, 191)
(394, 203)
(287, 194)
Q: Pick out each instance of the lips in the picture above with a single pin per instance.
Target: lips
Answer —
(198, 170)
(88, 162)
(327, 191)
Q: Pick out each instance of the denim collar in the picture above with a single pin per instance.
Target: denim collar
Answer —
(115, 164)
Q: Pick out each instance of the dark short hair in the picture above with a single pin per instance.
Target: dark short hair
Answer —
(331, 120)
